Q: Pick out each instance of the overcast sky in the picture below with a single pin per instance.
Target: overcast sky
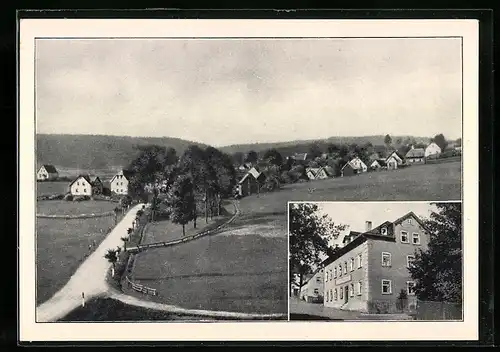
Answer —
(223, 92)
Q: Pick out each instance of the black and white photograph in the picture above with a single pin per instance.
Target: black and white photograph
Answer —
(184, 177)
(376, 261)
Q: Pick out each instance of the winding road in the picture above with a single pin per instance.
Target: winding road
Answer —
(89, 278)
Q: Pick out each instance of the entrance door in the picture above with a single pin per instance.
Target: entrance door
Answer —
(346, 294)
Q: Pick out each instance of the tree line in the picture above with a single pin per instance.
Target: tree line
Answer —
(182, 187)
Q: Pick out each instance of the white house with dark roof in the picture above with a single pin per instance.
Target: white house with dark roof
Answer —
(47, 172)
(81, 186)
(393, 161)
(119, 182)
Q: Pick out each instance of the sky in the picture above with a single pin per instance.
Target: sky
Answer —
(222, 92)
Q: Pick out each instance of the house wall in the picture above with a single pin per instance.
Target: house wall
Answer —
(119, 185)
(348, 171)
(392, 163)
(432, 149)
(313, 290)
(398, 271)
(42, 174)
(81, 187)
(415, 160)
(322, 175)
(340, 282)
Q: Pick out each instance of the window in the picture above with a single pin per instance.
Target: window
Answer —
(335, 272)
(386, 287)
(415, 238)
(340, 270)
(351, 290)
(76, 190)
(409, 260)
(316, 291)
(410, 288)
(327, 275)
(318, 279)
(78, 183)
(410, 221)
(360, 260)
(341, 294)
(404, 237)
(352, 264)
(84, 190)
(384, 230)
(345, 267)
(386, 259)
(331, 296)
(335, 294)
(327, 298)
(360, 288)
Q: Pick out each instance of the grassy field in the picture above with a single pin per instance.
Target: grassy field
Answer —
(165, 230)
(62, 207)
(49, 188)
(434, 182)
(62, 245)
(243, 268)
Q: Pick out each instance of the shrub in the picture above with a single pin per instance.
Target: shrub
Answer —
(68, 197)
(56, 197)
(80, 198)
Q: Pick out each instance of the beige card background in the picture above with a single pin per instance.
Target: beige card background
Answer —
(267, 331)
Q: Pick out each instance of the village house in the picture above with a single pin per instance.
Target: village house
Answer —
(415, 156)
(312, 289)
(432, 150)
(320, 173)
(393, 161)
(353, 167)
(47, 172)
(250, 183)
(245, 167)
(97, 185)
(378, 164)
(81, 186)
(370, 270)
(119, 182)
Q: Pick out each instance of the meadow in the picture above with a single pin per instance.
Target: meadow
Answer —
(62, 207)
(63, 244)
(242, 268)
(50, 188)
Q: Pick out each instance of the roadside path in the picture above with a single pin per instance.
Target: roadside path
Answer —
(89, 278)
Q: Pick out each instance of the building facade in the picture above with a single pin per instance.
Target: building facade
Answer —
(432, 150)
(371, 270)
(119, 183)
(81, 186)
(415, 156)
(47, 173)
(312, 290)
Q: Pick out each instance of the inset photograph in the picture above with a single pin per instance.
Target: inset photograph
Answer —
(385, 261)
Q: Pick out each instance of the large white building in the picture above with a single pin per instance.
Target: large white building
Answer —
(46, 172)
(119, 182)
(432, 150)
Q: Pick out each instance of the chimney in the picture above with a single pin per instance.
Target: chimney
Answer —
(368, 226)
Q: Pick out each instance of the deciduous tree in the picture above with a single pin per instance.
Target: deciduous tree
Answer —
(182, 201)
(437, 271)
(309, 232)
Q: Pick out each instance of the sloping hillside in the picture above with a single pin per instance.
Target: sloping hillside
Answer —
(289, 148)
(71, 153)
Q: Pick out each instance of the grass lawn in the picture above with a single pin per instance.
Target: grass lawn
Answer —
(62, 207)
(62, 245)
(242, 269)
(165, 230)
(431, 182)
(46, 188)
(107, 309)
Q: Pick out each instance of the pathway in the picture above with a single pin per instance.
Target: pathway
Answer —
(89, 278)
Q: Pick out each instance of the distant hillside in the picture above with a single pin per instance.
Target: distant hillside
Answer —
(289, 148)
(72, 153)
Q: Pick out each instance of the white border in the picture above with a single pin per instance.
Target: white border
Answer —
(266, 331)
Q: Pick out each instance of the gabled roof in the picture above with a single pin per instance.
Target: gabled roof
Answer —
(254, 173)
(50, 168)
(350, 163)
(86, 177)
(434, 145)
(392, 153)
(93, 179)
(126, 173)
(416, 153)
(329, 170)
(374, 233)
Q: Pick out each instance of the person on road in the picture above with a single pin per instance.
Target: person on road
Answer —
(83, 299)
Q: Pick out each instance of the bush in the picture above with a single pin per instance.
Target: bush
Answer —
(56, 197)
(68, 197)
(81, 198)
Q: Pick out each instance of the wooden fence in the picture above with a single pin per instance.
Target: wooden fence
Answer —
(143, 247)
(141, 288)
